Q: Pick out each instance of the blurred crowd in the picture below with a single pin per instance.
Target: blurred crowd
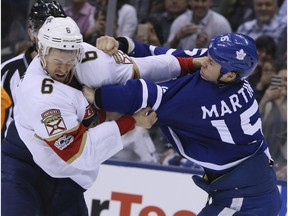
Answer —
(184, 24)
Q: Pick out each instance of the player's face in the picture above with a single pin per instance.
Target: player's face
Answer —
(59, 64)
(210, 70)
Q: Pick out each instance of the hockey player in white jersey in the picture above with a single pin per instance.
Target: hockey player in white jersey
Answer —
(53, 120)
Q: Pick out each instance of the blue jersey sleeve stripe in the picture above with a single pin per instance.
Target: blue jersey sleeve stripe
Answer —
(152, 49)
(144, 94)
(195, 52)
(158, 99)
(170, 51)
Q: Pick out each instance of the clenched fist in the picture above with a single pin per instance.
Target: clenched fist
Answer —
(107, 44)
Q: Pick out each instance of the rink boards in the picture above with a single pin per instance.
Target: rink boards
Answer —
(140, 189)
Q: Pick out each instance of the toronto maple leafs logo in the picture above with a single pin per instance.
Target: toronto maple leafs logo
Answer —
(240, 55)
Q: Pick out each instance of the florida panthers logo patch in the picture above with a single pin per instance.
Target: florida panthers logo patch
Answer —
(53, 122)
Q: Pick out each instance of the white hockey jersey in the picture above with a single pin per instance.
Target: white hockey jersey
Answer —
(48, 114)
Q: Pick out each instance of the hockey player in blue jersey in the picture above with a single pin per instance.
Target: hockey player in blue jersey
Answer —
(211, 118)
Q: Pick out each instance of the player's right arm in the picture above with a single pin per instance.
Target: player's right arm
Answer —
(134, 48)
(98, 68)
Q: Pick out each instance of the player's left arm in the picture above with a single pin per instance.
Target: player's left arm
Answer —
(126, 99)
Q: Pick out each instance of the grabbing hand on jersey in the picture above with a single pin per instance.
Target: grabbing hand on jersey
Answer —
(88, 94)
(144, 118)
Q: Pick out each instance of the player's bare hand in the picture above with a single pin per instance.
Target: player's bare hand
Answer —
(107, 44)
(199, 61)
(145, 117)
(89, 94)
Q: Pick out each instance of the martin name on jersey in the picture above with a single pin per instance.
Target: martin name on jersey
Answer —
(197, 116)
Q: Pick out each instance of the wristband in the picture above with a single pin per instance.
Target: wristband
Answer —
(126, 44)
(126, 123)
(186, 64)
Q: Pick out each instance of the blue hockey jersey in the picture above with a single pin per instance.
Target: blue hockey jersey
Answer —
(214, 126)
(143, 50)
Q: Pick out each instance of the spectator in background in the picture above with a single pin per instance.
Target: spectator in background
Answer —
(268, 69)
(127, 19)
(156, 6)
(273, 108)
(150, 32)
(266, 22)
(82, 12)
(14, 39)
(101, 3)
(236, 11)
(266, 49)
(173, 8)
(97, 29)
(282, 13)
(142, 7)
(125, 22)
(196, 27)
(282, 46)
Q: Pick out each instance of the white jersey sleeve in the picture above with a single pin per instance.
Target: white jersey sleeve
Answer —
(98, 68)
(48, 116)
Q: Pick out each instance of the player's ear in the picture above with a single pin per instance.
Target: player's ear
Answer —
(229, 77)
(232, 75)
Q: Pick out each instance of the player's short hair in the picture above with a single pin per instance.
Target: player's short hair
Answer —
(235, 52)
